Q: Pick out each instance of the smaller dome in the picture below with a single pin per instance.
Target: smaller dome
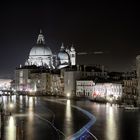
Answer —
(40, 51)
(63, 55)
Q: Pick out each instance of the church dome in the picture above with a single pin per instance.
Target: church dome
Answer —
(63, 55)
(40, 51)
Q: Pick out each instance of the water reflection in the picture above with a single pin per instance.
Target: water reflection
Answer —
(21, 99)
(30, 122)
(68, 122)
(139, 126)
(11, 129)
(8, 102)
(110, 123)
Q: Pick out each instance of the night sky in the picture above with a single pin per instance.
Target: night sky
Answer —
(110, 27)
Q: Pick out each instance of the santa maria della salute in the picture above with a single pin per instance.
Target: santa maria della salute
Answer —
(41, 55)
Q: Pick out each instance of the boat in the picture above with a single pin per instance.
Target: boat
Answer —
(121, 106)
(130, 107)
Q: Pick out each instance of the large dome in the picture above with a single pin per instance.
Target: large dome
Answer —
(40, 50)
(40, 55)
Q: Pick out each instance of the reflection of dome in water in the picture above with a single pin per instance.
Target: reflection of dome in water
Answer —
(40, 50)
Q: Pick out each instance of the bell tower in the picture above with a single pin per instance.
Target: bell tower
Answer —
(72, 56)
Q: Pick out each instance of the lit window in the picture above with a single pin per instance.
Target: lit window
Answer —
(21, 74)
(21, 80)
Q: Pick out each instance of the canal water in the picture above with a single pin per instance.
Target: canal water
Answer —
(112, 122)
(33, 113)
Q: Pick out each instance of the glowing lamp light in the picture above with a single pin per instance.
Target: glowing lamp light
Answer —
(111, 99)
(68, 94)
(11, 105)
(14, 90)
(30, 90)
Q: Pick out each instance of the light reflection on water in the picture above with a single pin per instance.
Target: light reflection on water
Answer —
(9, 102)
(68, 122)
(110, 123)
(139, 127)
(30, 130)
(21, 99)
(11, 129)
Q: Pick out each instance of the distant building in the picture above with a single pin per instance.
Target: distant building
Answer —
(54, 83)
(38, 80)
(73, 74)
(5, 84)
(84, 88)
(109, 91)
(39, 72)
(138, 76)
(22, 78)
(40, 55)
(31, 79)
(97, 91)
(130, 84)
(70, 78)
(130, 93)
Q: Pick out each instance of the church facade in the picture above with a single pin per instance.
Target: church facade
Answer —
(41, 55)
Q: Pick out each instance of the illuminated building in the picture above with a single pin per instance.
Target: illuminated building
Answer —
(130, 84)
(85, 88)
(37, 75)
(54, 83)
(107, 91)
(33, 79)
(71, 75)
(138, 76)
(41, 55)
(30, 78)
(70, 78)
(5, 84)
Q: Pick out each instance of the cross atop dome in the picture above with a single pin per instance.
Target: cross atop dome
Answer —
(40, 39)
(62, 46)
(40, 31)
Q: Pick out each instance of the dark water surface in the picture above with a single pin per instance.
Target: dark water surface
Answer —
(37, 118)
(113, 123)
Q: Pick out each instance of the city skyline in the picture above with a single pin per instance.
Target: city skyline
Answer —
(112, 28)
(69, 70)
